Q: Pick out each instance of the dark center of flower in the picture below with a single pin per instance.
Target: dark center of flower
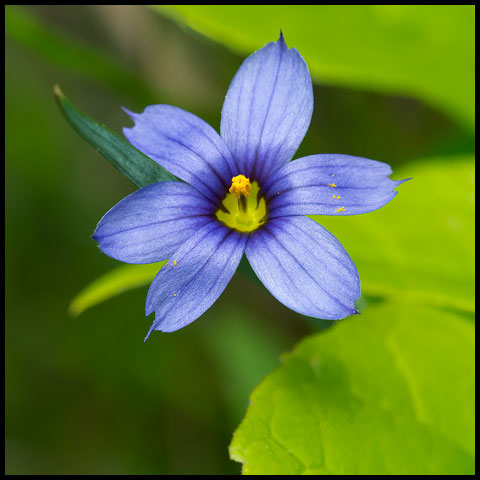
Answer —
(243, 209)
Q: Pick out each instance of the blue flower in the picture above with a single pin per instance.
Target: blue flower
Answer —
(242, 194)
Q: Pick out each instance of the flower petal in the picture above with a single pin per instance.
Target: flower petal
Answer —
(267, 109)
(151, 223)
(186, 146)
(195, 276)
(329, 185)
(305, 267)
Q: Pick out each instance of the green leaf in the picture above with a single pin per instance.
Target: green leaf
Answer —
(72, 55)
(419, 247)
(113, 283)
(137, 167)
(389, 392)
(426, 51)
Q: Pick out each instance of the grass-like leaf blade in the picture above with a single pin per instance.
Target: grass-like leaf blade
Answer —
(112, 283)
(137, 167)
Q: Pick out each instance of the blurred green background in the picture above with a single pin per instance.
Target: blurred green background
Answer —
(85, 395)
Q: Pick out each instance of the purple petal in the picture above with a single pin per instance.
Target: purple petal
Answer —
(151, 223)
(186, 146)
(329, 185)
(195, 276)
(267, 110)
(305, 267)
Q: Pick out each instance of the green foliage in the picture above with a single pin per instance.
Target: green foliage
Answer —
(426, 51)
(244, 349)
(391, 392)
(113, 283)
(137, 167)
(420, 246)
(63, 50)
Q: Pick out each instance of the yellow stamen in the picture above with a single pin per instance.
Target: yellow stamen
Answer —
(174, 263)
(240, 186)
(340, 209)
(331, 185)
(337, 196)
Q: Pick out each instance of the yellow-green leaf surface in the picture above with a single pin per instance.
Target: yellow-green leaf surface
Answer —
(388, 392)
(113, 283)
(426, 51)
(419, 247)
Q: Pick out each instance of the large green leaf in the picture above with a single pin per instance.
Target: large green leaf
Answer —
(113, 283)
(137, 167)
(389, 392)
(419, 247)
(425, 51)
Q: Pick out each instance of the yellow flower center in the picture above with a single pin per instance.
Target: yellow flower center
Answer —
(242, 208)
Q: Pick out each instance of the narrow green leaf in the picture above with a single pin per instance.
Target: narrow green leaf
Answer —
(113, 283)
(426, 51)
(137, 167)
(389, 392)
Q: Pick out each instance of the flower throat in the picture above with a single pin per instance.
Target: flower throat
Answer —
(244, 210)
